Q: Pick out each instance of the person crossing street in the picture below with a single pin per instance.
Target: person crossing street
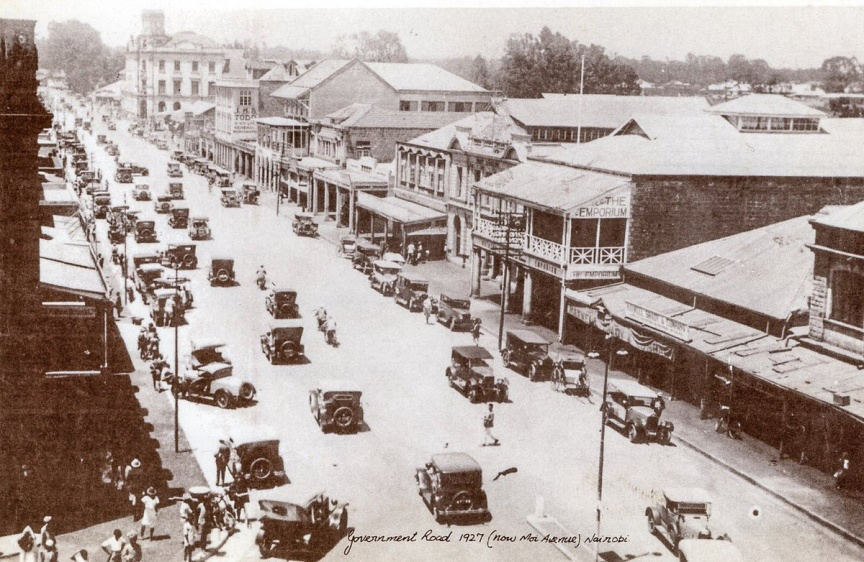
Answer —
(488, 424)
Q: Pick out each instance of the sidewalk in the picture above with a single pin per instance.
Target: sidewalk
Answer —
(804, 488)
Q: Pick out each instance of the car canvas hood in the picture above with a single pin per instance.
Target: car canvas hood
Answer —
(642, 412)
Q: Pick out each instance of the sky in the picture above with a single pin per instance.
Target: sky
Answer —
(790, 36)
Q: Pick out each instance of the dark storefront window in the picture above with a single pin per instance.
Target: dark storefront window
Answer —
(612, 232)
(847, 298)
(548, 226)
(583, 233)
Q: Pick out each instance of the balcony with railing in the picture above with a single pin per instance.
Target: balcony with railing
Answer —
(556, 253)
(497, 233)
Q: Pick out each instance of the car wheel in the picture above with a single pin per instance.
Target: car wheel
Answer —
(652, 526)
(222, 399)
(632, 433)
(437, 514)
(505, 358)
(247, 392)
(343, 418)
(222, 275)
(473, 396)
(261, 469)
(463, 500)
(285, 310)
(532, 372)
(665, 436)
(189, 261)
(287, 350)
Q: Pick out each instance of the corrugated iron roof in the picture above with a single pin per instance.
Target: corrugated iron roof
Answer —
(765, 104)
(768, 270)
(320, 72)
(397, 209)
(421, 76)
(486, 126)
(289, 91)
(362, 115)
(276, 74)
(848, 218)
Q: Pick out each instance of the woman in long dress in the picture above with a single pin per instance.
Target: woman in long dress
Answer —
(150, 503)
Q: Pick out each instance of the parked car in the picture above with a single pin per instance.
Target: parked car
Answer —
(261, 460)
(101, 139)
(470, 374)
(177, 155)
(145, 231)
(347, 244)
(123, 175)
(250, 193)
(301, 530)
(454, 313)
(161, 144)
(411, 290)
(174, 170)
(164, 203)
(216, 381)
(637, 409)
(179, 217)
(451, 485)
(529, 352)
(383, 277)
(175, 189)
(281, 302)
(182, 255)
(304, 224)
(199, 228)
(112, 149)
(140, 258)
(160, 297)
(145, 276)
(569, 375)
(141, 192)
(136, 169)
(101, 204)
(230, 197)
(221, 271)
(281, 342)
(365, 253)
(112, 126)
(336, 406)
(696, 550)
(206, 351)
(684, 514)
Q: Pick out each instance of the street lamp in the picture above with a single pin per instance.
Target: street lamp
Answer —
(603, 419)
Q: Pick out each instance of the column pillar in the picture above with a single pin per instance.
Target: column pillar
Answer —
(476, 270)
(527, 281)
(326, 201)
(351, 219)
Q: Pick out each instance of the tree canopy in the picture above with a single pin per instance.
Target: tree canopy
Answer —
(77, 48)
(384, 46)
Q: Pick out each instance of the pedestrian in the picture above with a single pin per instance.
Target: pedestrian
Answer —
(238, 492)
(45, 534)
(221, 456)
(133, 486)
(49, 552)
(419, 257)
(113, 547)
(841, 476)
(234, 466)
(488, 424)
(150, 503)
(410, 253)
(168, 312)
(131, 550)
(475, 331)
(189, 540)
(205, 523)
(142, 341)
(118, 305)
(427, 308)
(156, 372)
(27, 544)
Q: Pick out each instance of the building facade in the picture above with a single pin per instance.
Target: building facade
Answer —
(236, 125)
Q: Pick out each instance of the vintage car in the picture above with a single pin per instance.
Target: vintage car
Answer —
(179, 217)
(470, 374)
(303, 528)
(140, 258)
(141, 192)
(281, 302)
(117, 216)
(336, 406)
(112, 126)
(88, 126)
(136, 169)
(347, 244)
(230, 197)
(454, 313)
(260, 459)
(161, 144)
(216, 381)
(281, 343)
(85, 176)
(160, 297)
(145, 231)
(221, 271)
(205, 351)
(394, 257)
(199, 228)
(123, 175)
(174, 170)
(163, 203)
(250, 193)
(94, 186)
(637, 409)
(684, 515)
(365, 253)
(101, 204)
(569, 375)
(175, 189)
(451, 485)
(410, 290)
(116, 234)
(112, 149)
(696, 550)
(145, 276)
(101, 139)
(79, 121)
(383, 276)
(529, 352)
(181, 256)
(304, 224)
(177, 156)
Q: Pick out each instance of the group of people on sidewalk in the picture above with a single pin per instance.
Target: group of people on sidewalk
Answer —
(38, 547)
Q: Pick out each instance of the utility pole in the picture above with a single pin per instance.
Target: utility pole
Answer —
(176, 388)
(504, 281)
(581, 99)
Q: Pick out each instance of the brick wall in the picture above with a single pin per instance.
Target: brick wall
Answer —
(269, 106)
(355, 84)
(383, 141)
(670, 214)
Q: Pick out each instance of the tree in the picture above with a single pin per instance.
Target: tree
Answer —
(480, 72)
(77, 49)
(384, 46)
(840, 73)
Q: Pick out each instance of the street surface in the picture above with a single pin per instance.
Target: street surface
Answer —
(412, 413)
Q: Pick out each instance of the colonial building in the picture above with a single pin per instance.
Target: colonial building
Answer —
(166, 73)
(236, 129)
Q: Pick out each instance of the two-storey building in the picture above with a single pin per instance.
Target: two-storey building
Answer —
(235, 127)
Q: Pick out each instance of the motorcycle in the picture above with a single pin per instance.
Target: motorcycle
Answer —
(727, 424)
(261, 279)
(321, 317)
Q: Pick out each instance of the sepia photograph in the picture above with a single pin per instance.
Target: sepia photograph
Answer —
(460, 281)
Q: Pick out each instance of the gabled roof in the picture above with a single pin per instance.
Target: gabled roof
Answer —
(603, 111)
(310, 79)
(485, 125)
(277, 74)
(768, 270)
(364, 115)
(846, 218)
(765, 104)
(421, 77)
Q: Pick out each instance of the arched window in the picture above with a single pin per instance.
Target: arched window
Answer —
(176, 105)
(161, 106)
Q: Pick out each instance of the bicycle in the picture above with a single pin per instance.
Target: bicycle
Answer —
(727, 424)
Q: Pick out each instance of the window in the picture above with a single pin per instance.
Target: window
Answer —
(406, 105)
(780, 123)
(457, 189)
(177, 84)
(362, 148)
(194, 66)
(176, 66)
(143, 65)
(161, 86)
(176, 105)
(847, 298)
(754, 123)
(805, 124)
(226, 66)
(432, 106)
(211, 88)
(245, 97)
(161, 106)
(460, 106)
(211, 67)
(194, 87)
(161, 66)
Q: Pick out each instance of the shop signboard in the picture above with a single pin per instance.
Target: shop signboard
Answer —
(658, 321)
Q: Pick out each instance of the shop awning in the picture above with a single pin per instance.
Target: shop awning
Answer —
(310, 163)
(432, 231)
(398, 210)
(67, 278)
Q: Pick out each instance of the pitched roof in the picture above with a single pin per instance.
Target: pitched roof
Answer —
(190, 37)
(420, 76)
(280, 122)
(768, 270)
(277, 74)
(603, 111)
(484, 125)
(847, 218)
(363, 115)
(310, 79)
(708, 145)
(765, 104)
